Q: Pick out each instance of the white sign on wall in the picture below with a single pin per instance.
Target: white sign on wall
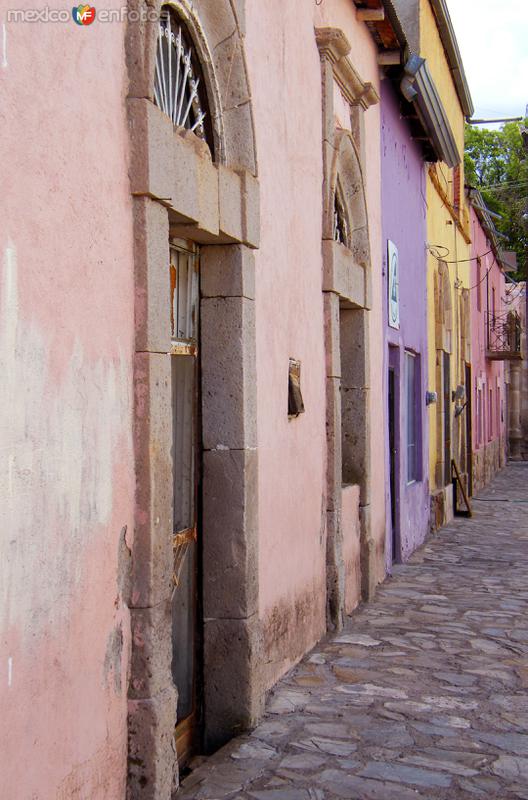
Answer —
(394, 285)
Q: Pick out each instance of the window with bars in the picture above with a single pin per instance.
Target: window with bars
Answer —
(179, 87)
(184, 299)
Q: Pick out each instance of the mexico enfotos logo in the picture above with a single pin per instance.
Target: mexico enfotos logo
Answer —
(83, 15)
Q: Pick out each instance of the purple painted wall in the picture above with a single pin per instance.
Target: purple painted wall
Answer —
(404, 223)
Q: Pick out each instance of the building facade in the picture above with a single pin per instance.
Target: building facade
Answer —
(495, 339)
(405, 323)
(203, 412)
(197, 464)
(449, 253)
(517, 378)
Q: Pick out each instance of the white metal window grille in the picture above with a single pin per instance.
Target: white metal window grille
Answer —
(178, 85)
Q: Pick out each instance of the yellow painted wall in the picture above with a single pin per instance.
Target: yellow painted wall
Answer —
(443, 230)
(432, 49)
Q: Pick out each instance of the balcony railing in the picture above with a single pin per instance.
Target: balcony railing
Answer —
(503, 336)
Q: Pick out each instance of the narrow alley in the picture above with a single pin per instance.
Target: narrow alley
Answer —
(423, 695)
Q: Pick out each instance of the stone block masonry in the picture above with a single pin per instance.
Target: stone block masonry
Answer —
(422, 696)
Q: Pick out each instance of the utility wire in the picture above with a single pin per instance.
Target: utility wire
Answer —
(482, 279)
(464, 260)
(459, 260)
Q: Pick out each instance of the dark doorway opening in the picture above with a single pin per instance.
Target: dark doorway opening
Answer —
(469, 432)
(393, 457)
(447, 418)
(186, 455)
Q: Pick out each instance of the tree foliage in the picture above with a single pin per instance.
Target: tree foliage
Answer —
(496, 163)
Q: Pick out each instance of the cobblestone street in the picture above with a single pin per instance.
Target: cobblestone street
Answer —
(423, 695)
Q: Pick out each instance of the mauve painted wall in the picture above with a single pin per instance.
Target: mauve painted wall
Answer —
(66, 466)
(404, 223)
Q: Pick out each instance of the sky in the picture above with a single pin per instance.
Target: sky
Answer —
(492, 37)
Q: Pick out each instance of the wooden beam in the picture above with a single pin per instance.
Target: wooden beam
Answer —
(370, 14)
(389, 57)
(458, 480)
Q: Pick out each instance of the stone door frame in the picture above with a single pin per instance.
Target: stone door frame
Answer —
(178, 190)
(347, 292)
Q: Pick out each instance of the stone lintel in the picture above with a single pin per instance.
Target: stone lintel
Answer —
(207, 202)
(342, 274)
(334, 46)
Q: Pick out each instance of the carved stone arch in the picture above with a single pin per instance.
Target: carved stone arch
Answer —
(346, 172)
(215, 29)
(352, 561)
(347, 277)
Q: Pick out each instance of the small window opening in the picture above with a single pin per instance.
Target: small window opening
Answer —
(340, 222)
(295, 399)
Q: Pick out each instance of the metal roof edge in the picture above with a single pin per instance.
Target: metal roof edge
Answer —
(430, 108)
(449, 41)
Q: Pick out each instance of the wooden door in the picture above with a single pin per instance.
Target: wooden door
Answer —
(186, 639)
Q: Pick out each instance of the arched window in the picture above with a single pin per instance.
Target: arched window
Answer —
(179, 88)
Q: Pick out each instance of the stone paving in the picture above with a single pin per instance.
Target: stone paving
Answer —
(424, 695)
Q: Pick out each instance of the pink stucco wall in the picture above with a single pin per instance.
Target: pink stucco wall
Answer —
(66, 470)
(283, 61)
(364, 57)
(486, 374)
(66, 348)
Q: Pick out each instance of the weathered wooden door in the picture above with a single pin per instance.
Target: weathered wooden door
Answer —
(185, 302)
